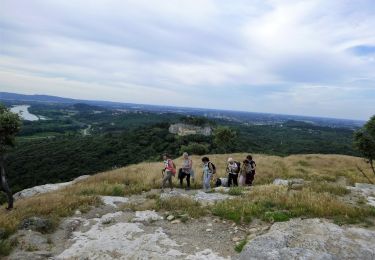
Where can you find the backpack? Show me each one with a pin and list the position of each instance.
(213, 167)
(238, 167)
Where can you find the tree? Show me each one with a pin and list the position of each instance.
(10, 124)
(224, 137)
(364, 142)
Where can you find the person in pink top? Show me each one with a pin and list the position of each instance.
(168, 172)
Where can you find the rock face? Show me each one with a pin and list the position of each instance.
(185, 129)
(124, 240)
(311, 239)
(46, 188)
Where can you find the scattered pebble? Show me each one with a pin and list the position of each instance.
(208, 230)
(176, 221)
(236, 239)
(170, 218)
(251, 237)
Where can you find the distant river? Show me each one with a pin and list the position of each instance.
(23, 111)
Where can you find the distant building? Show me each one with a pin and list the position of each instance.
(185, 129)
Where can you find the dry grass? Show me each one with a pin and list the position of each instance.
(145, 176)
(182, 205)
(276, 203)
(52, 206)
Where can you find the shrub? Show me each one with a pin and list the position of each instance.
(235, 191)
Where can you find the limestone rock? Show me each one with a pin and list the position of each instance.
(294, 184)
(281, 182)
(170, 218)
(366, 190)
(146, 216)
(46, 188)
(200, 196)
(311, 239)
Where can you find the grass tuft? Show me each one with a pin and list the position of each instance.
(235, 191)
(240, 246)
(331, 188)
(182, 205)
(6, 246)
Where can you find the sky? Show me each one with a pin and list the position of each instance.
(314, 57)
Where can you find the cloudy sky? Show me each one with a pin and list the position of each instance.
(313, 57)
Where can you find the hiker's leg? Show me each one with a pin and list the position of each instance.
(165, 179)
(170, 180)
(204, 181)
(235, 179)
(208, 183)
(241, 180)
(229, 180)
(188, 180)
(251, 179)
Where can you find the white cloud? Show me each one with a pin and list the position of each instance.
(282, 55)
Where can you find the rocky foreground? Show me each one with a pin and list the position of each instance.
(114, 231)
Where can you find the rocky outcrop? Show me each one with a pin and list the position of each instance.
(185, 129)
(46, 188)
(366, 190)
(293, 184)
(311, 239)
(113, 201)
(123, 240)
(200, 196)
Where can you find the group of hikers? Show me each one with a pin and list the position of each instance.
(237, 174)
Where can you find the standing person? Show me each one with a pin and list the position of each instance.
(168, 172)
(208, 170)
(250, 176)
(245, 173)
(245, 170)
(185, 171)
(232, 171)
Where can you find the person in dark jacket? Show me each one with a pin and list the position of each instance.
(251, 174)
